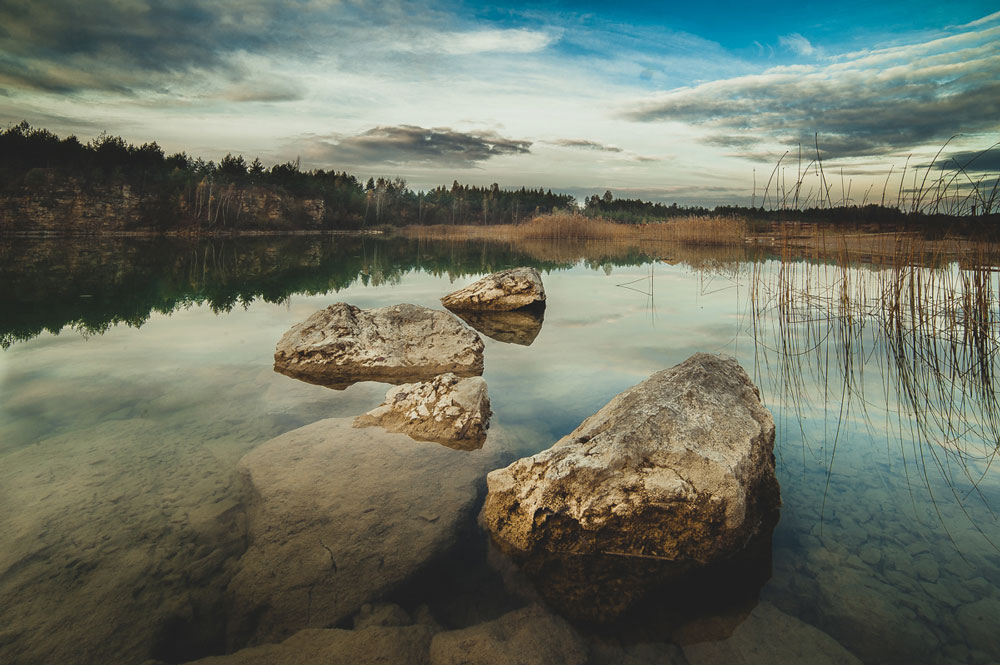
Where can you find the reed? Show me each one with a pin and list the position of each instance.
(939, 187)
(572, 227)
(909, 346)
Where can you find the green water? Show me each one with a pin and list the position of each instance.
(120, 435)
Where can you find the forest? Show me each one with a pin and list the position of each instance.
(179, 189)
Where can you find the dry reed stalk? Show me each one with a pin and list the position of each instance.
(929, 326)
(714, 231)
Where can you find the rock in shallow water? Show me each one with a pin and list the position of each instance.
(502, 291)
(523, 637)
(679, 467)
(405, 645)
(448, 410)
(343, 344)
(673, 474)
(337, 517)
(771, 637)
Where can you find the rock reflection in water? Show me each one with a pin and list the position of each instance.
(519, 326)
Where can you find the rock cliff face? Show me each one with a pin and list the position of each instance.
(502, 291)
(54, 205)
(343, 344)
(64, 207)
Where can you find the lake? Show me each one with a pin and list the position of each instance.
(137, 373)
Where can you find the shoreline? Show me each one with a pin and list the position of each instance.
(190, 234)
(786, 239)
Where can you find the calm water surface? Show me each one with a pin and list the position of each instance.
(120, 435)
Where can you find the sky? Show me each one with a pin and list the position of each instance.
(692, 102)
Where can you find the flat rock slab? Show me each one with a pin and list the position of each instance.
(770, 637)
(502, 291)
(679, 467)
(336, 517)
(527, 636)
(448, 410)
(519, 326)
(342, 344)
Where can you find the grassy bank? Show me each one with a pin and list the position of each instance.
(709, 231)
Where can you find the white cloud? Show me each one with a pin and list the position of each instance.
(797, 44)
(478, 41)
(978, 22)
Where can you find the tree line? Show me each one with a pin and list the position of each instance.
(182, 191)
(179, 186)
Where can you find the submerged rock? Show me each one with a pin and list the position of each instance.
(400, 645)
(118, 540)
(647, 597)
(644, 653)
(337, 516)
(979, 623)
(502, 291)
(519, 326)
(448, 410)
(673, 474)
(768, 636)
(862, 610)
(523, 637)
(343, 344)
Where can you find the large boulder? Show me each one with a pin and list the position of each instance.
(679, 467)
(343, 344)
(448, 410)
(502, 291)
(675, 473)
(337, 516)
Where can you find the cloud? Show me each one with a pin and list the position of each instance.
(407, 144)
(731, 141)
(873, 103)
(56, 122)
(995, 16)
(585, 144)
(468, 42)
(797, 44)
(981, 161)
(67, 46)
(267, 89)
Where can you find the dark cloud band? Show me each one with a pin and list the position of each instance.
(585, 144)
(410, 144)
